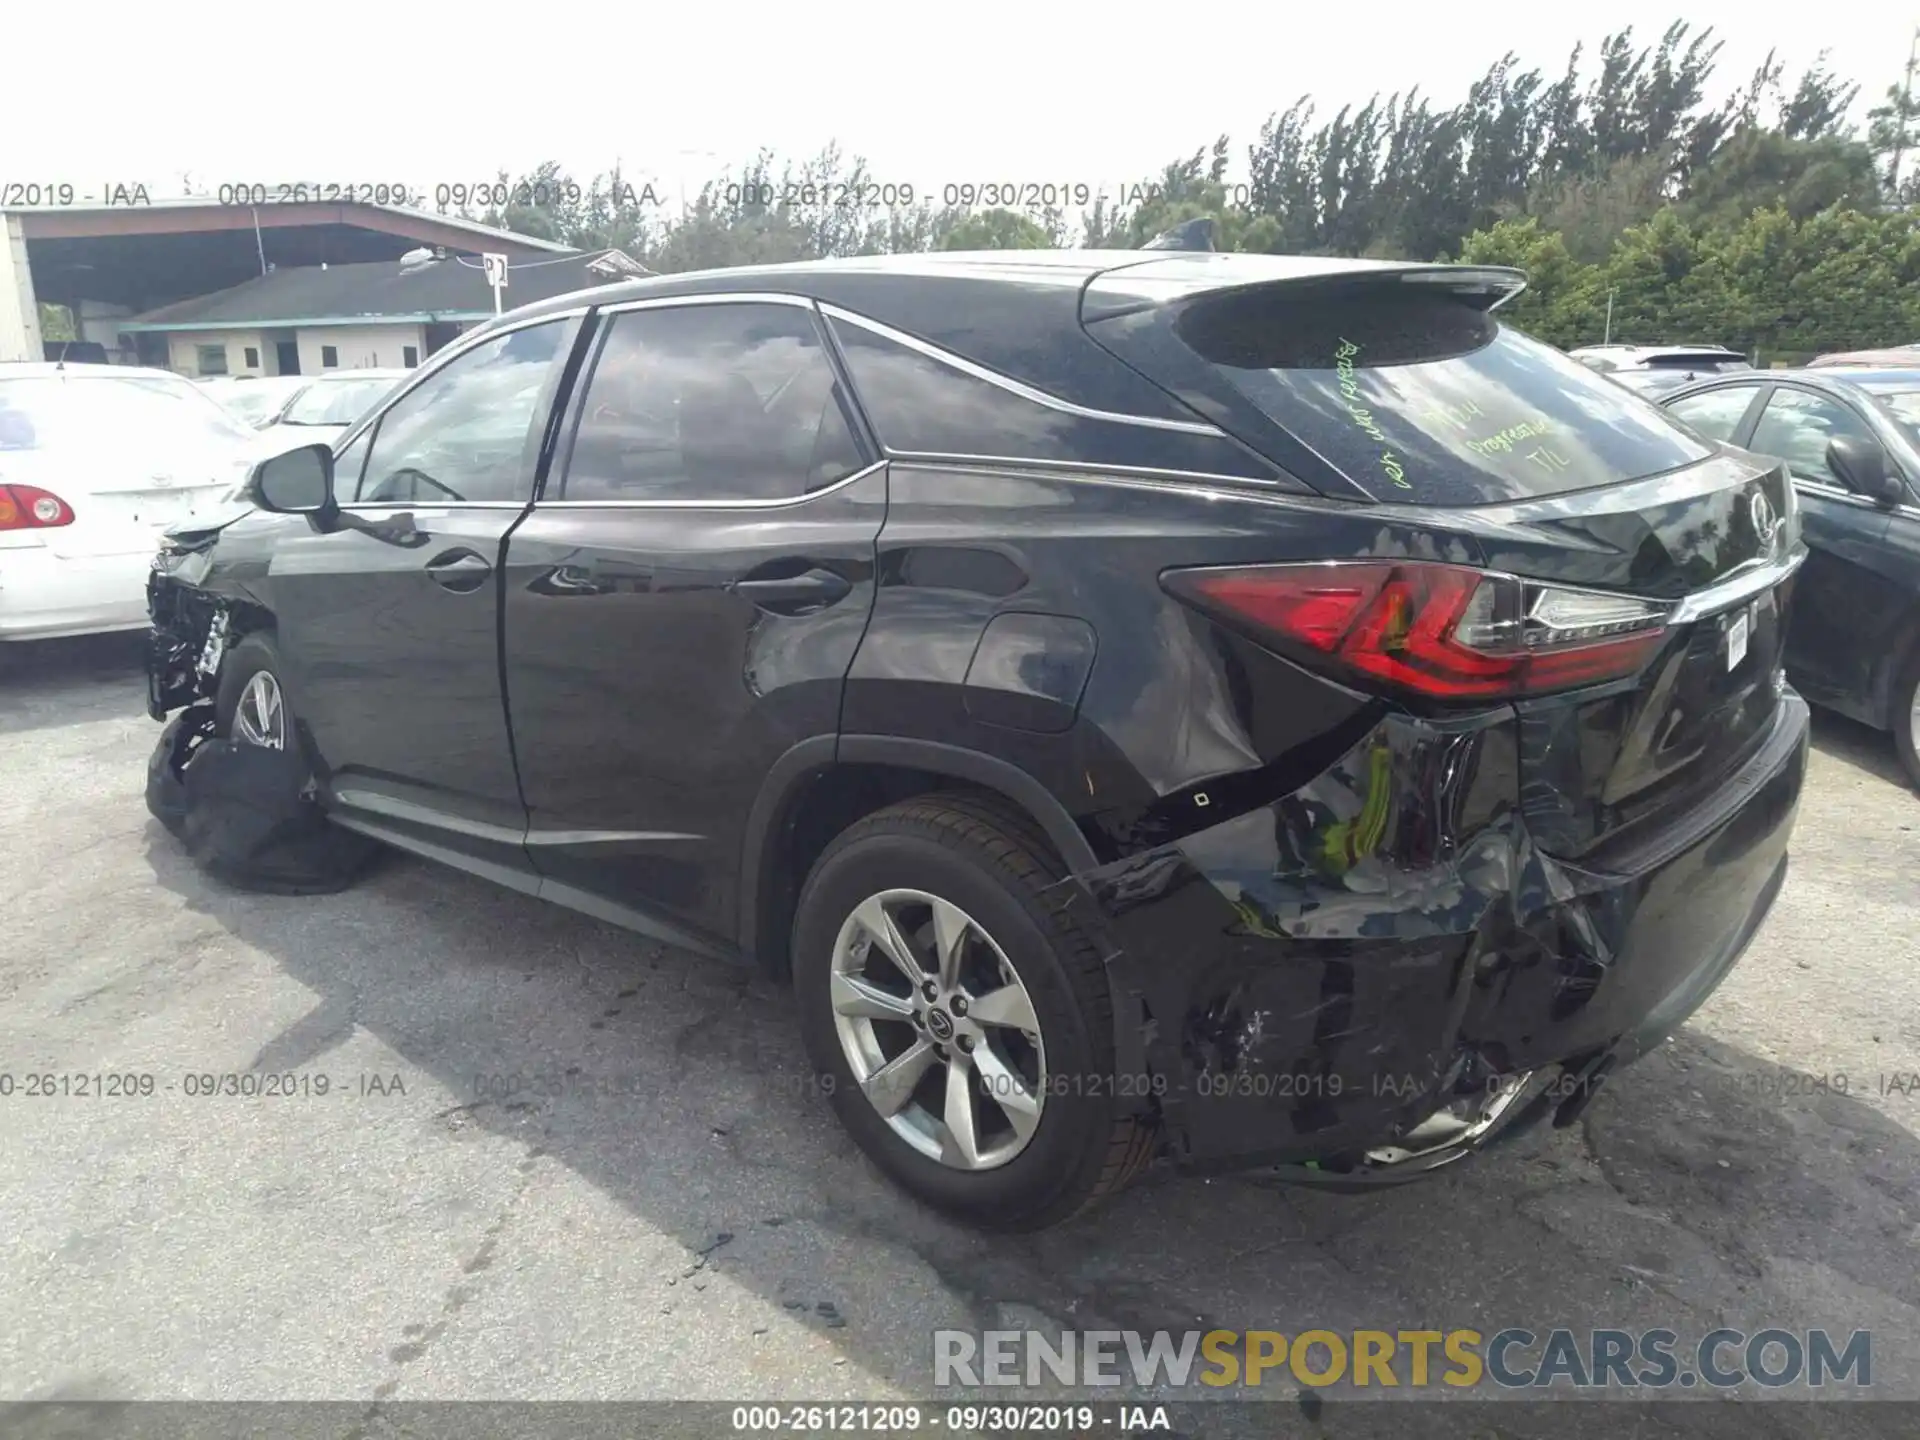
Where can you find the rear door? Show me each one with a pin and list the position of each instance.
(389, 622)
(684, 601)
(1847, 609)
(1403, 387)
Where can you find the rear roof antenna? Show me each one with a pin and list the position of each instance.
(1194, 235)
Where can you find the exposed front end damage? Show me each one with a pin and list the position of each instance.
(1373, 975)
(247, 815)
(189, 631)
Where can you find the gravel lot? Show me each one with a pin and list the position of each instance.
(713, 1235)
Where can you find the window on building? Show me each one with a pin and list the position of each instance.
(468, 432)
(710, 402)
(409, 355)
(253, 358)
(212, 359)
(329, 357)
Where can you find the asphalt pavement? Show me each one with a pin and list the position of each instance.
(684, 1218)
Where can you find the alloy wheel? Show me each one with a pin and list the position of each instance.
(938, 1029)
(261, 718)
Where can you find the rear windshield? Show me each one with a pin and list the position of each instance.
(1424, 398)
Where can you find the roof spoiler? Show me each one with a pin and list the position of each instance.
(1194, 235)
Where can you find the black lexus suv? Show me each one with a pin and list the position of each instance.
(1231, 708)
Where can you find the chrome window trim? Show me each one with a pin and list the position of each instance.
(444, 357)
(782, 504)
(1088, 468)
(1863, 502)
(1010, 385)
(709, 297)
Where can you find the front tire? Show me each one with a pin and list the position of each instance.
(962, 1027)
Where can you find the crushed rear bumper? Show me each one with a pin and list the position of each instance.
(1372, 1022)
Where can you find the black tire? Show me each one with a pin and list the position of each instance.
(1905, 717)
(995, 866)
(248, 813)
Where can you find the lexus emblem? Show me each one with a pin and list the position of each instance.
(163, 480)
(1766, 524)
(939, 1024)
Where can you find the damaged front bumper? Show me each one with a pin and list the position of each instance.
(187, 635)
(1363, 1011)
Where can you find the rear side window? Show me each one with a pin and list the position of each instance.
(1425, 398)
(1716, 414)
(710, 402)
(920, 405)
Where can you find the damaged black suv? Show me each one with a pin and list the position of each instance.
(1230, 708)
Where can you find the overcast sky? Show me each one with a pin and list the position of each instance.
(347, 91)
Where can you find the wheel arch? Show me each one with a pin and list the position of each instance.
(850, 777)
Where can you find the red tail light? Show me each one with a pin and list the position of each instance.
(27, 507)
(1444, 632)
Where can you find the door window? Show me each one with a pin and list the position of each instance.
(1796, 427)
(710, 402)
(1716, 414)
(464, 434)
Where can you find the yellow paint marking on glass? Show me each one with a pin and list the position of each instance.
(1363, 417)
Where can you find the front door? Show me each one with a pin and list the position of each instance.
(287, 355)
(684, 602)
(389, 618)
(1845, 607)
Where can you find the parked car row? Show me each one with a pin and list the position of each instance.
(96, 461)
(320, 407)
(1850, 438)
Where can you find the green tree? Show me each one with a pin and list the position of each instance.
(997, 229)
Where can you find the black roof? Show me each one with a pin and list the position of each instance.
(454, 288)
(1018, 312)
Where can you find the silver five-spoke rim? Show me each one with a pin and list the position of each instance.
(260, 718)
(938, 1029)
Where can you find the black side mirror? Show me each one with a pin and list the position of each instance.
(300, 482)
(1861, 465)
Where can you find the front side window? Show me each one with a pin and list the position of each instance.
(1796, 427)
(463, 434)
(1716, 414)
(710, 402)
(1428, 398)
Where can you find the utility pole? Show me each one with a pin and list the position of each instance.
(1906, 110)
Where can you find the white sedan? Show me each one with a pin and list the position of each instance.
(322, 409)
(96, 461)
